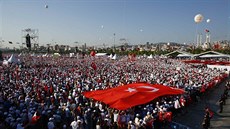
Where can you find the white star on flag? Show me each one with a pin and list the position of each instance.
(131, 90)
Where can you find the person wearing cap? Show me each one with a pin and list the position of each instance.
(107, 121)
(51, 123)
(148, 119)
(137, 120)
(79, 124)
(131, 125)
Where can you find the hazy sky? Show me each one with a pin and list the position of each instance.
(95, 21)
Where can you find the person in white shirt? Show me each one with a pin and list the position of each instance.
(74, 124)
(137, 120)
(115, 116)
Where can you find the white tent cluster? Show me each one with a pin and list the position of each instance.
(13, 59)
(113, 57)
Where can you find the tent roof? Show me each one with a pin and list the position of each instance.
(211, 54)
(101, 54)
(180, 52)
(184, 55)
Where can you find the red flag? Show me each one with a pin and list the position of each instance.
(217, 46)
(94, 66)
(130, 95)
(211, 113)
(35, 118)
(168, 116)
(132, 57)
(92, 53)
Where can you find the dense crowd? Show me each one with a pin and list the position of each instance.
(46, 92)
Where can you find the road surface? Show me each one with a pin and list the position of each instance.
(194, 117)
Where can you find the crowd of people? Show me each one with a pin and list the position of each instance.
(46, 92)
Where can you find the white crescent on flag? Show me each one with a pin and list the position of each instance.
(146, 89)
(151, 89)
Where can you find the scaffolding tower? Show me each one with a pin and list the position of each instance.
(34, 37)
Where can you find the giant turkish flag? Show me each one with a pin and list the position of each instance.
(130, 95)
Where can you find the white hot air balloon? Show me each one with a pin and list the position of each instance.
(208, 20)
(46, 6)
(198, 18)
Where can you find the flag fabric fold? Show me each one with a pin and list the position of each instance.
(127, 96)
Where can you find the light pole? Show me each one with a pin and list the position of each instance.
(114, 37)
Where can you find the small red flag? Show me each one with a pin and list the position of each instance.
(92, 53)
(94, 66)
(35, 119)
(168, 116)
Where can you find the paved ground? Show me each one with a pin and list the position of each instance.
(193, 118)
(222, 120)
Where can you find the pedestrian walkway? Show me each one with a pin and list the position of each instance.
(222, 120)
(195, 115)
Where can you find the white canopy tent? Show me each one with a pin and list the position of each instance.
(100, 54)
(150, 57)
(184, 55)
(13, 59)
(214, 56)
(114, 57)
